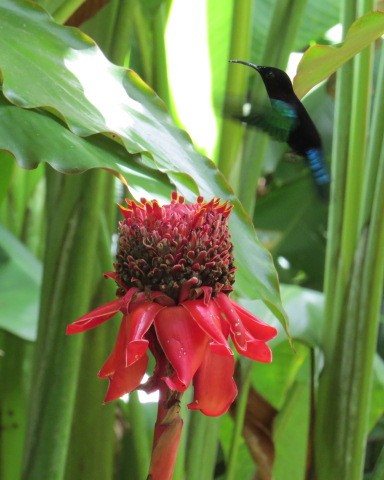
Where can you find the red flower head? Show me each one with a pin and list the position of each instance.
(175, 270)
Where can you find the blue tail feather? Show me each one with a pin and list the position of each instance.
(318, 167)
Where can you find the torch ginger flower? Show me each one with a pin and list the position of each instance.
(174, 272)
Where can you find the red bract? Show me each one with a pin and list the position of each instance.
(175, 270)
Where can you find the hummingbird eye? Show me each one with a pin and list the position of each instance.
(270, 75)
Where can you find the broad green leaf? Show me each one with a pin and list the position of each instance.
(292, 221)
(291, 434)
(273, 381)
(318, 17)
(320, 61)
(377, 404)
(42, 137)
(46, 65)
(20, 279)
(305, 311)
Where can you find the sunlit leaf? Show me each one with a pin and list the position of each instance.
(40, 137)
(320, 61)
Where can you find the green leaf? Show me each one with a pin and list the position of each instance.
(291, 434)
(46, 65)
(273, 381)
(377, 404)
(40, 137)
(318, 17)
(20, 280)
(292, 221)
(305, 310)
(320, 61)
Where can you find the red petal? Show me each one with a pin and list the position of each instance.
(214, 387)
(117, 355)
(102, 314)
(95, 317)
(138, 324)
(254, 325)
(227, 309)
(126, 379)
(207, 317)
(257, 350)
(183, 342)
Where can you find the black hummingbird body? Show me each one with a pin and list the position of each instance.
(289, 121)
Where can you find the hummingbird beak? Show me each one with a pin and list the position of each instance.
(248, 64)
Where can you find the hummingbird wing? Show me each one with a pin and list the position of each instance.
(276, 119)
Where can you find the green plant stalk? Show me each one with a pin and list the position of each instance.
(160, 80)
(66, 10)
(291, 19)
(73, 205)
(232, 132)
(92, 433)
(284, 25)
(202, 446)
(120, 43)
(252, 161)
(182, 453)
(357, 160)
(373, 155)
(345, 209)
(13, 405)
(142, 36)
(369, 312)
(271, 49)
(350, 330)
(332, 285)
(363, 314)
(241, 406)
(142, 447)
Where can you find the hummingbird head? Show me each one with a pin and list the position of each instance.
(276, 81)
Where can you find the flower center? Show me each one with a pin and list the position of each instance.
(161, 248)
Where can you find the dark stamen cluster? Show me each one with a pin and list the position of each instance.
(161, 248)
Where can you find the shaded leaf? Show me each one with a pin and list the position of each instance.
(318, 17)
(20, 279)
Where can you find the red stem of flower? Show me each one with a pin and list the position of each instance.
(167, 435)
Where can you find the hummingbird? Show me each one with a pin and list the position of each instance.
(288, 121)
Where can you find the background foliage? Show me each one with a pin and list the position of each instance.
(69, 106)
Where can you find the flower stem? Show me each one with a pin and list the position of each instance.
(167, 435)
